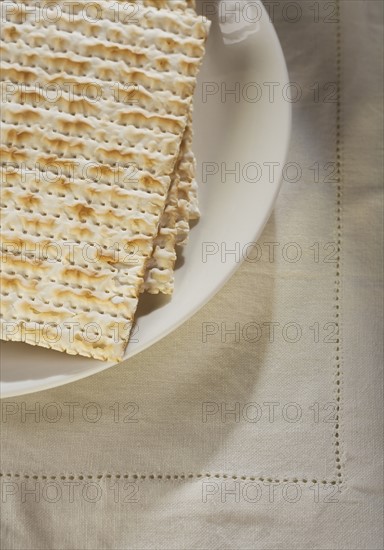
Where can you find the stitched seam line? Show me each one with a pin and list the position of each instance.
(167, 477)
(339, 167)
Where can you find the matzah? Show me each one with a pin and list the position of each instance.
(169, 4)
(85, 180)
(187, 195)
(160, 267)
(175, 223)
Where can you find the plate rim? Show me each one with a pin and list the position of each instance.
(191, 312)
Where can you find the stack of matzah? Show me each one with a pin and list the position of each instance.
(97, 176)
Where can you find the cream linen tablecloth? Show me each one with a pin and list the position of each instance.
(268, 437)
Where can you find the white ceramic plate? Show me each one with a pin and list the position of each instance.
(231, 132)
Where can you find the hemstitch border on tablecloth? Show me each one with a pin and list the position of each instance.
(338, 376)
